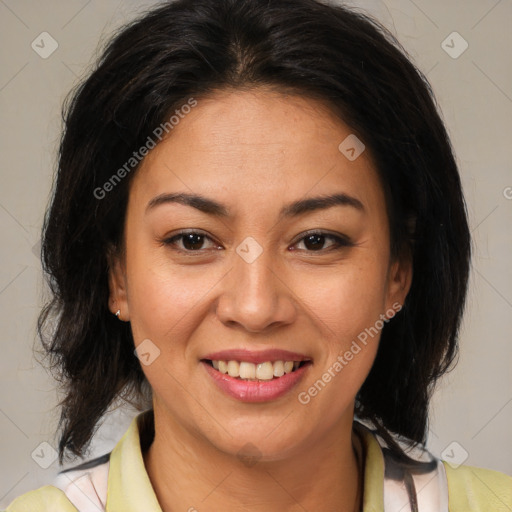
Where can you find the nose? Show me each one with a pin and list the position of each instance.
(255, 295)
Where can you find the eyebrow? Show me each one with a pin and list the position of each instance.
(295, 209)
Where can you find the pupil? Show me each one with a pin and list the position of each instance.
(192, 241)
(317, 241)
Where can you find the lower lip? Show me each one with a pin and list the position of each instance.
(256, 391)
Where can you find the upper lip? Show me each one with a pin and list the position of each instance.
(256, 357)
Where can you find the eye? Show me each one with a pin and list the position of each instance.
(191, 241)
(314, 241)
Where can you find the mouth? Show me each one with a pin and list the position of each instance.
(255, 372)
(250, 376)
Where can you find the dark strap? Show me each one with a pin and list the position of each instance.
(420, 487)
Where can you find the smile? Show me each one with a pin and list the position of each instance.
(249, 376)
(244, 370)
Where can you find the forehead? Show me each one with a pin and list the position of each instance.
(257, 146)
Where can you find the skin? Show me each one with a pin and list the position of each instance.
(255, 151)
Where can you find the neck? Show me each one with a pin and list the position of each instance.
(189, 473)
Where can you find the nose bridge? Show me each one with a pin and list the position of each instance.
(255, 296)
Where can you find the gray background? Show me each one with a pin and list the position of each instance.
(472, 408)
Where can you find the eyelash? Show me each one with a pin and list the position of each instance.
(340, 241)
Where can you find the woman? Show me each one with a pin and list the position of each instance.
(258, 230)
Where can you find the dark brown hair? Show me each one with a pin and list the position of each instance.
(190, 48)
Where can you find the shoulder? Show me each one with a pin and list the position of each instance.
(444, 487)
(81, 488)
(478, 489)
(44, 499)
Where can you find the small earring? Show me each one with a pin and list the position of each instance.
(118, 312)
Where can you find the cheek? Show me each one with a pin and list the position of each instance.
(162, 297)
(347, 299)
(347, 304)
(168, 305)
(347, 307)
(164, 302)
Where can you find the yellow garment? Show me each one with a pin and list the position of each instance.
(471, 489)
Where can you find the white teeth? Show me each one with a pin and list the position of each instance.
(247, 370)
(288, 366)
(265, 371)
(251, 371)
(234, 369)
(278, 369)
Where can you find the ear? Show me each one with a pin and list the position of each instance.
(399, 280)
(118, 300)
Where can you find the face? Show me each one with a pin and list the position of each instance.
(262, 275)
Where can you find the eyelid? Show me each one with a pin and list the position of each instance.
(168, 240)
(328, 234)
(340, 240)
